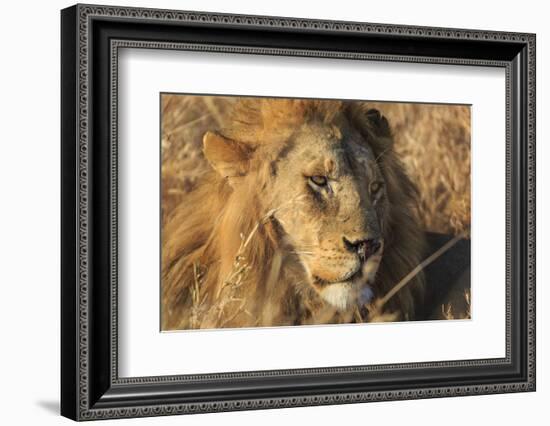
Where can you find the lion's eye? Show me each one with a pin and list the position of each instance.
(375, 187)
(319, 180)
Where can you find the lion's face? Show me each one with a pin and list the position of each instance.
(329, 197)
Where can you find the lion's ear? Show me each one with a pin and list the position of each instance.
(228, 157)
(378, 123)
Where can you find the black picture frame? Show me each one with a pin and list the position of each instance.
(90, 386)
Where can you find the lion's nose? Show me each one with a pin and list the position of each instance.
(363, 248)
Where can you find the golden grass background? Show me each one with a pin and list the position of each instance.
(432, 140)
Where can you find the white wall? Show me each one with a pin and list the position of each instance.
(29, 212)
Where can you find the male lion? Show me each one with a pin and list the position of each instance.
(305, 217)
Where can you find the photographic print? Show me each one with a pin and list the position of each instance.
(287, 212)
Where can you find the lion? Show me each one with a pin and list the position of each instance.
(305, 216)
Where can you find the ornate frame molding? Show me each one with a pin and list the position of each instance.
(82, 16)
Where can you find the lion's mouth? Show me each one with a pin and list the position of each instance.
(349, 277)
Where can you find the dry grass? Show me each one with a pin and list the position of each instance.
(433, 141)
(185, 119)
(449, 312)
(212, 315)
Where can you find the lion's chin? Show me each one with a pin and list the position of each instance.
(341, 296)
(355, 291)
(345, 295)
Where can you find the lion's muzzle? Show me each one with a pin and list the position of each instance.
(348, 290)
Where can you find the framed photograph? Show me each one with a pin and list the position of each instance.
(263, 212)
